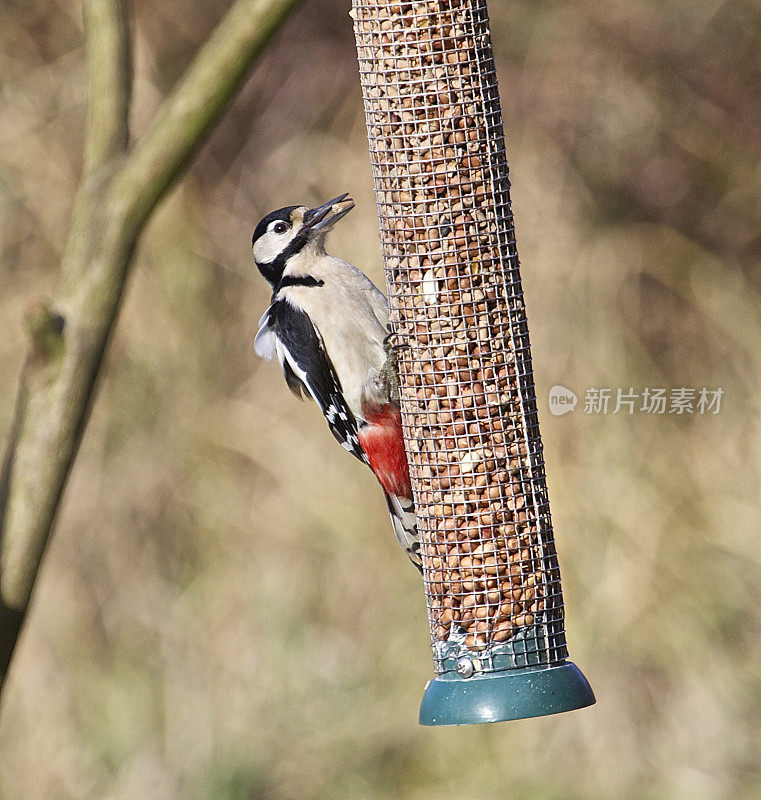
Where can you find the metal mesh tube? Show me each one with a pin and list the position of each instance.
(468, 400)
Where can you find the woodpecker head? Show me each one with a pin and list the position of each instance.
(285, 232)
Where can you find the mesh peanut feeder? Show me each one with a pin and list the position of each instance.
(468, 400)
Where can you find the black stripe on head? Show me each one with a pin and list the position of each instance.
(273, 270)
(283, 214)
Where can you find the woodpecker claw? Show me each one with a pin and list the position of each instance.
(389, 343)
(389, 374)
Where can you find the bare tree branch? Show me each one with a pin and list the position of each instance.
(188, 113)
(119, 189)
(36, 452)
(109, 81)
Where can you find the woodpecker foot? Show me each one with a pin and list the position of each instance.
(389, 345)
(389, 374)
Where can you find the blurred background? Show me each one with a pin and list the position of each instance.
(223, 611)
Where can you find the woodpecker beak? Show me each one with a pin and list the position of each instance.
(325, 216)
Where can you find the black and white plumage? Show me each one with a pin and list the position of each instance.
(307, 367)
(327, 326)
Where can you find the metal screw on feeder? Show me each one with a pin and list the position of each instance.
(468, 400)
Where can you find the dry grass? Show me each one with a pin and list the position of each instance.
(223, 612)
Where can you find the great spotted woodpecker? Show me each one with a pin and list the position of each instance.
(328, 326)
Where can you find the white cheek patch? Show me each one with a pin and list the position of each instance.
(269, 246)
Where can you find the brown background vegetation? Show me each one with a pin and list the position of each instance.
(222, 611)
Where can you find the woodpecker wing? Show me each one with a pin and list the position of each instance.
(287, 332)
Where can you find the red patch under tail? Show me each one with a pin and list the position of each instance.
(382, 441)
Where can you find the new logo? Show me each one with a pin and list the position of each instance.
(562, 400)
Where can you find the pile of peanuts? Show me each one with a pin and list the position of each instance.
(469, 406)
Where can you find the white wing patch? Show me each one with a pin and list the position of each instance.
(284, 357)
(287, 333)
(265, 343)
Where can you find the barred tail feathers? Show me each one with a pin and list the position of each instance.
(404, 521)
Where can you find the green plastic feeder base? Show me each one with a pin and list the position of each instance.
(508, 694)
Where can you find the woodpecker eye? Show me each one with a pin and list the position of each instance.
(280, 227)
